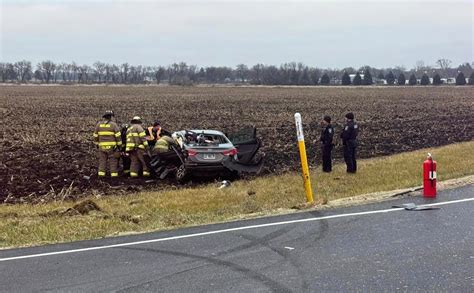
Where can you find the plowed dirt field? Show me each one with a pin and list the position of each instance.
(46, 136)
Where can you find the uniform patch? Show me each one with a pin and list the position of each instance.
(346, 128)
(329, 130)
(355, 126)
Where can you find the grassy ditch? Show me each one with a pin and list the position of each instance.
(26, 224)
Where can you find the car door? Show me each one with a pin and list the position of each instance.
(247, 144)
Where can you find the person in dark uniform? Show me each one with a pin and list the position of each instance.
(125, 158)
(153, 134)
(349, 142)
(326, 143)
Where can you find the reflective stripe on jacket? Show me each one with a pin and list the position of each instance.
(135, 138)
(163, 144)
(107, 135)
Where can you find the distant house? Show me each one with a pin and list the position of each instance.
(450, 80)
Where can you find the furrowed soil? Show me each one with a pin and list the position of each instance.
(48, 154)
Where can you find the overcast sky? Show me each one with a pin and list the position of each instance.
(317, 33)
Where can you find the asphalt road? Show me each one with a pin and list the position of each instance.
(364, 248)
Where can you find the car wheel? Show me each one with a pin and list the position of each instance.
(181, 174)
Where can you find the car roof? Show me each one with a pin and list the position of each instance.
(207, 131)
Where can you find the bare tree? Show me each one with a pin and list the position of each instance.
(99, 70)
(58, 71)
(75, 69)
(159, 73)
(419, 65)
(6, 71)
(443, 63)
(3, 71)
(257, 73)
(115, 73)
(23, 69)
(242, 72)
(314, 74)
(124, 70)
(38, 74)
(84, 73)
(107, 72)
(47, 68)
(65, 71)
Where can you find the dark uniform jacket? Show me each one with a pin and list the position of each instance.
(349, 134)
(326, 136)
(107, 135)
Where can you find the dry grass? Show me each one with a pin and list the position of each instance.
(23, 225)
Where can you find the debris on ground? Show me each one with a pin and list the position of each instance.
(407, 191)
(225, 184)
(413, 207)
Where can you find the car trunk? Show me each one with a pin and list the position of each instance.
(207, 154)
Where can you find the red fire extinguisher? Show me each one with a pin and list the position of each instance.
(429, 177)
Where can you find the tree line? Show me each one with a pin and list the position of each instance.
(291, 73)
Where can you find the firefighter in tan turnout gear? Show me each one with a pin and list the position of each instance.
(136, 146)
(107, 138)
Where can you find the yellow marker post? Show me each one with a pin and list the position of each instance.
(304, 160)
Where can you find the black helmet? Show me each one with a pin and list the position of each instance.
(327, 118)
(108, 113)
(350, 116)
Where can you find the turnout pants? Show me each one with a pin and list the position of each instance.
(350, 157)
(327, 158)
(126, 165)
(108, 156)
(137, 158)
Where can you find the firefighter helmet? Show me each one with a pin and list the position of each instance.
(108, 113)
(136, 119)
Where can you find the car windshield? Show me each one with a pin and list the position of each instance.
(204, 139)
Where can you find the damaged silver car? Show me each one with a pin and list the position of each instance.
(210, 153)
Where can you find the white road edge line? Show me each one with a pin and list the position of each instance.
(223, 231)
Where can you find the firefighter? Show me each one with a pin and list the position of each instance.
(165, 153)
(326, 143)
(153, 133)
(124, 155)
(107, 138)
(349, 142)
(163, 144)
(136, 146)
